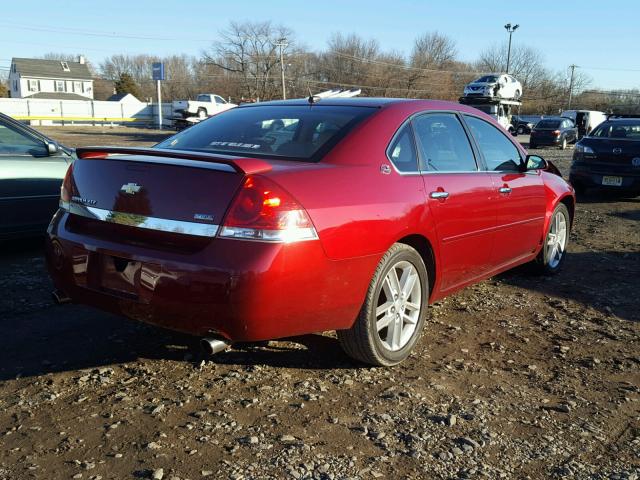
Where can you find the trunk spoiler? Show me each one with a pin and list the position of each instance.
(188, 157)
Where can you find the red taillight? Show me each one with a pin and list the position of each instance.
(262, 210)
(66, 189)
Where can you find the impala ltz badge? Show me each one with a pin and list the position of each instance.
(130, 188)
(203, 216)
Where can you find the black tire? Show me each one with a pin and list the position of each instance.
(542, 264)
(517, 95)
(362, 341)
(532, 145)
(520, 130)
(202, 113)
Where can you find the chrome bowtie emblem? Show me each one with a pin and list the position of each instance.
(617, 151)
(130, 188)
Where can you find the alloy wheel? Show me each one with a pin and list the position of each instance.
(556, 239)
(398, 306)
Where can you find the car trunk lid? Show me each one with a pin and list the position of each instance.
(179, 192)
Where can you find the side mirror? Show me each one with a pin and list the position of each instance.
(534, 162)
(52, 148)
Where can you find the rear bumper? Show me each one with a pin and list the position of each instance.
(545, 141)
(242, 290)
(587, 177)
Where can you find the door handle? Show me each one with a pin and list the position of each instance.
(505, 190)
(439, 195)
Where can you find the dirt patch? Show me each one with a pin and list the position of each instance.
(517, 377)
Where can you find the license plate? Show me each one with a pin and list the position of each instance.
(612, 181)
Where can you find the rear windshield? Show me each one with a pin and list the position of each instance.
(629, 130)
(548, 124)
(487, 79)
(296, 132)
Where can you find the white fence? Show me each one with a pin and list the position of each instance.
(72, 112)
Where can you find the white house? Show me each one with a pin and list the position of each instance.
(54, 79)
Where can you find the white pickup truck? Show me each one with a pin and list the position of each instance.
(205, 105)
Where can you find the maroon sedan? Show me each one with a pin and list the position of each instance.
(286, 218)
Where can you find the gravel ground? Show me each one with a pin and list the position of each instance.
(517, 377)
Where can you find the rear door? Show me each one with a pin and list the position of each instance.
(30, 181)
(459, 196)
(519, 196)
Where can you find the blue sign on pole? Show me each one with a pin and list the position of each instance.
(158, 70)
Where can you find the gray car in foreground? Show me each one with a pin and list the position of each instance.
(32, 167)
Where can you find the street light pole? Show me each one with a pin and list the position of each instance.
(282, 43)
(573, 71)
(510, 29)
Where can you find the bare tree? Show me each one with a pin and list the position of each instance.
(249, 53)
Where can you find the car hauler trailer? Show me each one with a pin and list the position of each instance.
(500, 109)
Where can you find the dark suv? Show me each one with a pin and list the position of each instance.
(609, 158)
(553, 131)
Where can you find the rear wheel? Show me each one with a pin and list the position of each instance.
(563, 143)
(391, 319)
(520, 130)
(551, 256)
(202, 113)
(517, 95)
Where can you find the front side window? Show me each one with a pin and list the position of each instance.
(295, 132)
(443, 144)
(402, 151)
(499, 153)
(15, 142)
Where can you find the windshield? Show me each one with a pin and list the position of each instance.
(548, 124)
(297, 132)
(487, 79)
(630, 130)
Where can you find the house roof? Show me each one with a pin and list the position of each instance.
(34, 67)
(117, 97)
(58, 96)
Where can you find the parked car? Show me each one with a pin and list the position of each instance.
(585, 120)
(32, 167)
(205, 105)
(609, 158)
(495, 86)
(353, 218)
(553, 131)
(523, 124)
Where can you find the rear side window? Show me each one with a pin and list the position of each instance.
(498, 151)
(443, 144)
(402, 151)
(296, 132)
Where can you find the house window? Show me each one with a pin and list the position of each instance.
(77, 87)
(34, 85)
(60, 86)
(65, 66)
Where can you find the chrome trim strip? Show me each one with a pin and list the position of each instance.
(142, 221)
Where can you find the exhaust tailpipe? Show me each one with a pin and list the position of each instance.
(59, 297)
(211, 346)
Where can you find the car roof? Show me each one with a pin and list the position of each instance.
(373, 102)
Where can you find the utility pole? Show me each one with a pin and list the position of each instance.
(282, 44)
(573, 70)
(510, 29)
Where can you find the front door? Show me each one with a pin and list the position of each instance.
(30, 181)
(520, 198)
(459, 196)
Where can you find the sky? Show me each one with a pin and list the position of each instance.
(600, 38)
